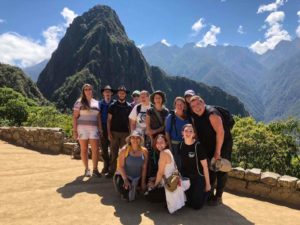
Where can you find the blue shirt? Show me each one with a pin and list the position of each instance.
(170, 129)
(103, 105)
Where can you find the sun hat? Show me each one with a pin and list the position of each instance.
(108, 87)
(135, 133)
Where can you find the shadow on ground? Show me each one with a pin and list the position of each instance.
(132, 213)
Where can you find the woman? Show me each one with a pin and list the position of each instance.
(194, 166)
(174, 123)
(166, 166)
(131, 166)
(155, 124)
(87, 127)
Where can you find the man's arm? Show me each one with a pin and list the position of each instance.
(217, 125)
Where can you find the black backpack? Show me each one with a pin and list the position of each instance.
(227, 117)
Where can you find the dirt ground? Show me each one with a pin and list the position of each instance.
(45, 189)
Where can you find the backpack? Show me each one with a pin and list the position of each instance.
(227, 117)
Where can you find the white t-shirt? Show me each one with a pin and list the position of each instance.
(140, 117)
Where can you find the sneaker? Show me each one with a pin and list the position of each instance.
(96, 173)
(104, 171)
(87, 173)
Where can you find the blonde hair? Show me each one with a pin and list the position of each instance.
(195, 98)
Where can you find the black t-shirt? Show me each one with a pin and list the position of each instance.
(188, 159)
(154, 121)
(206, 133)
(120, 112)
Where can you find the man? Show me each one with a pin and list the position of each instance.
(216, 139)
(135, 98)
(107, 93)
(137, 116)
(117, 127)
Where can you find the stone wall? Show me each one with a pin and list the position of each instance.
(43, 139)
(266, 185)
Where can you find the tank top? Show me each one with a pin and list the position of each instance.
(133, 165)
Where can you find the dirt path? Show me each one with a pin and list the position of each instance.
(48, 189)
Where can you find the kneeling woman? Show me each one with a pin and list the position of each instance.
(131, 166)
(166, 167)
(194, 166)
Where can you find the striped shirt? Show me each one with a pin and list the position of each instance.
(87, 117)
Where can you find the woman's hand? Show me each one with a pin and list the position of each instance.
(127, 184)
(75, 134)
(207, 187)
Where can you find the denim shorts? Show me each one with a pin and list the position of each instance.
(87, 133)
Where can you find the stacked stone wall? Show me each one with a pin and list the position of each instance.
(266, 185)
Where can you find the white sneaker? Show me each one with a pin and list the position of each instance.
(87, 173)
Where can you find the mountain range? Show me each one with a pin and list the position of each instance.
(255, 79)
(96, 49)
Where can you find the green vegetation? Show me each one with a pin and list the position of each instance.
(271, 147)
(14, 77)
(17, 110)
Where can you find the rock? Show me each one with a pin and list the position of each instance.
(236, 185)
(237, 172)
(269, 178)
(298, 185)
(258, 188)
(253, 174)
(287, 182)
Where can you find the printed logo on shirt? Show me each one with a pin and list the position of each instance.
(191, 154)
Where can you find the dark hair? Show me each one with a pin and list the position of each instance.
(188, 125)
(83, 99)
(160, 136)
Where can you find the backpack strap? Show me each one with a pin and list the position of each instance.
(138, 109)
(197, 163)
(173, 122)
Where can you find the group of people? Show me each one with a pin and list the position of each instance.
(143, 143)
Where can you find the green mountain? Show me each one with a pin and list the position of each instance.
(233, 69)
(281, 90)
(96, 49)
(14, 77)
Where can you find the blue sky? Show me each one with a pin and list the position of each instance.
(30, 30)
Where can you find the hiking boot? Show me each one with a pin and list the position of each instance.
(215, 201)
(96, 173)
(104, 171)
(87, 173)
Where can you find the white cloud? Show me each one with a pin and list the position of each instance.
(223, 0)
(140, 46)
(2, 20)
(271, 7)
(226, 44)
(68, 15)
(298, 28)
(19, 50)
(274, 34)
(275, 17)
(210, 37)
(240, 29)
(197, 26)
(164, 42)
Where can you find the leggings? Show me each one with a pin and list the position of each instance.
(196, 196)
